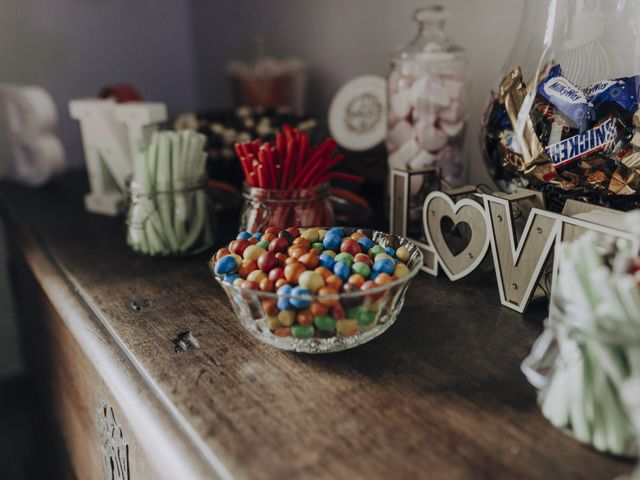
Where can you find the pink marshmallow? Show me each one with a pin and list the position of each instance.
(430, 137)
(400, 105)
(452, 114)
(400, 134)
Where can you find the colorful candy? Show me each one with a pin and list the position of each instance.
(307, 269)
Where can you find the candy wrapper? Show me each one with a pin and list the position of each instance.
(566, 140)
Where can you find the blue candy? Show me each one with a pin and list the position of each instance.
(243, 236)
(390, 251)
(226, 264)
(303, 299)
(327, 261)
(283, 297)
(343, 270)
(257, 235)
(366, 243)
(384, 265)
(337, 231)
(230, 278)
(332, 241)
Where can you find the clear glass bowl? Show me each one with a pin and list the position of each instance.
(369, 313)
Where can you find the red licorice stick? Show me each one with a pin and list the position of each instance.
(261, 179)
(341, 176)
(313, 180)
(318, 158)
(320, 167)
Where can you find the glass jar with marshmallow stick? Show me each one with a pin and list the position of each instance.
(590, 349)
(168, 213)
(427, 100)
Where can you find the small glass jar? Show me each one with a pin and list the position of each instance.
(579, 371)
(285, 208)
(171, 221)
(427, 95)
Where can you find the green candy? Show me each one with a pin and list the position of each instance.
(345, 257)
(325, 323)
(364, 317)
(263, 244)
(303, 331)
(375, 250)
(318, 245)
(361, 268)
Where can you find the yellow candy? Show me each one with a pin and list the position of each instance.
(273, 323)
(347, 327)
(381, 256)
(321, 233)
(310, 280)
(400, 270)
(311, 234)
(238, 281)
(256, 276)
(402, 254)
(287, 317)
(330, 252)
(252, 252)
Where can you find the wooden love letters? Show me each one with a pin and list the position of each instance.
(461, 226)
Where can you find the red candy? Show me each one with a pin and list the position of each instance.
(364, 258)
(276, 274)
(267, 262)
(349, 245)
(238, 246)
(293, 231)
(278, 245)
(272, 230)
(250, 285)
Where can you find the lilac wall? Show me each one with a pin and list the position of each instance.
(344, 38)
(74, 47)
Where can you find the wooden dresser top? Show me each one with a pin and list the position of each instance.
(440, 395)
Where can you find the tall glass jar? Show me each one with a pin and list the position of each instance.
(579, 368)
(285, 208)
(560, 117)
(427, 95)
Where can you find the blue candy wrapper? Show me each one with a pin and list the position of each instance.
(570, 100)
(623, 92)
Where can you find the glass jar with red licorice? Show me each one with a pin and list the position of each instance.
(285, 208)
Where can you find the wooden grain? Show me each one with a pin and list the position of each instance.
(440, 395)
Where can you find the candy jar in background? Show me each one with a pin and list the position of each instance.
(562, 116)
(427, 100)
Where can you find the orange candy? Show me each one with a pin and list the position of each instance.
(309, 260)
(293, 271)
(318, 310)
(357, 235)
(382, 279)
(282, 258)
(283, 332)
(268, 236)
(246, 268)
(296, 252)
(304, 317)
(324, 272)
(356, 280)
(334, 281)
(223, 252)
(302, 243)
(315, 251)
(328, 302)
(290, 260)
(266, 285)
(270, 307)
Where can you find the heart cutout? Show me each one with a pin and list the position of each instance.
(456, 235)
(459, 248)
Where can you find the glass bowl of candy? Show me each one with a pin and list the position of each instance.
(316, 290)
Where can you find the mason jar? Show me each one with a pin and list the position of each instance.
(579, 368)
(170, 221)
(285, 208)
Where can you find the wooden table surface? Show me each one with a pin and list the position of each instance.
(439, 395)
